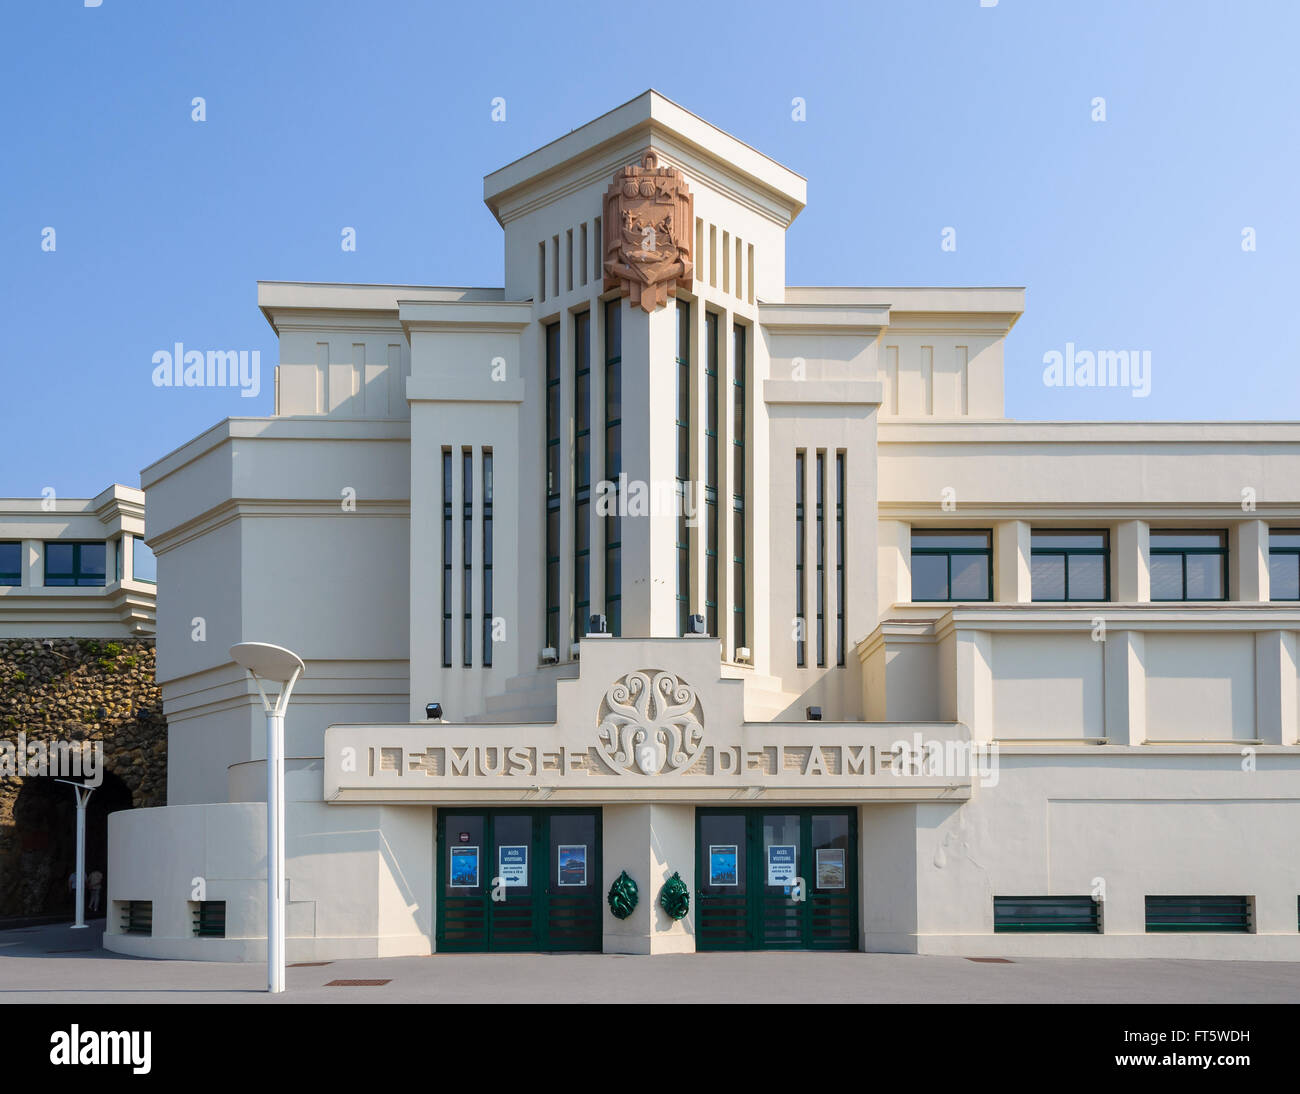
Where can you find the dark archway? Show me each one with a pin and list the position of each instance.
(45, 820)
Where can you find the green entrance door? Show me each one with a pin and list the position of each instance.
(518, 879)
(776, 879)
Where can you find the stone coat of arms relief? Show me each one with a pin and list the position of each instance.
(648, 226)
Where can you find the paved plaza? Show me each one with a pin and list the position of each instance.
(51, 964)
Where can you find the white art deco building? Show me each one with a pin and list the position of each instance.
(1083, 634)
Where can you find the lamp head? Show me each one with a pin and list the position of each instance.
(274, 663)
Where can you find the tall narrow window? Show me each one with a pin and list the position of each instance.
(581, 472)
(821, 557)
(614, 462)
(553, 486)
(446, 558)
(1283, 564)
(839, 558)
(799, 648)
(683, 463)
(738, 488)
(467, 547)
(711, 473)
(11, 563)
(487, 558)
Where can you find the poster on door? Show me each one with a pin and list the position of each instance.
(722, 864)
(512, 865)
(464, 867)
(572, 864)
(830, 868)
(780, 864)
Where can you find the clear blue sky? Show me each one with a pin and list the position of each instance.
(920, 116)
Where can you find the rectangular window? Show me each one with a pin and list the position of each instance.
(210, 918)
(1056, 914)
(1283, 564)
(487, 558)
(821, 557)
(144, 566)
(74, 563)
(839, 558)
(683, 463)
(137, 916)
(738, 487)
(446, 558)
(1070, 565)
(613, 462)
(1189, 565)
(581, 473)
(1169, 914)
(467, 556)
(711, 473)
(800, 652)
(552, 484)
(11, 563)
(952, 566)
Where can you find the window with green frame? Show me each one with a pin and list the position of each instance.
(144, 566)
(581, 473)
(1169, 914)
(1070, 565)
(487, 557)
(614, 463)
(467, 554)
(74, 563)
(711, 473)
(552, 484)
(1189, 565)
(952, 566)
(1046, 914)
(1284, 564)
(738, 635)
(446, 558)
(800, 649)
(11, 563)
(683, 464)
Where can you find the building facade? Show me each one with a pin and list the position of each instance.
(76, 567)
(78, 696)
(651, 604)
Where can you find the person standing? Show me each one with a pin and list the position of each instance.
(96, 881)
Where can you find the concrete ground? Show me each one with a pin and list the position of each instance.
(56, 964)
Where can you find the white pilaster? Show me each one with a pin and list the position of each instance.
(1011, 575)
(1132, 562)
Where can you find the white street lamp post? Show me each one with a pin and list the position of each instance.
(283, 667)
(83, 793)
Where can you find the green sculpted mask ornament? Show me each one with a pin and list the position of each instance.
(674, 897)
(623, 896)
